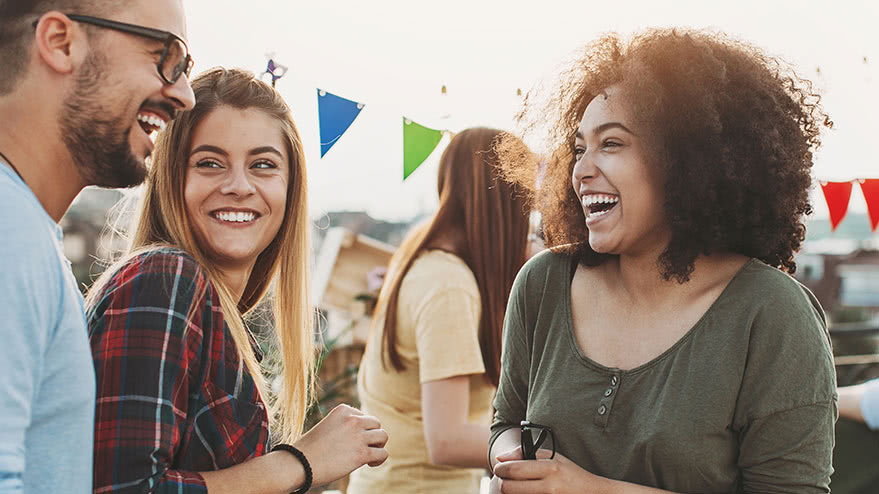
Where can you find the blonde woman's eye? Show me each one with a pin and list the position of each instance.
(579, 151)
(264, 165)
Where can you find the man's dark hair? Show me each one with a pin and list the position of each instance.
(16, 30)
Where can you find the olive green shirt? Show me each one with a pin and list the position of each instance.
(744, 402)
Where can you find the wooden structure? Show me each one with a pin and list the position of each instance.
(340, 287)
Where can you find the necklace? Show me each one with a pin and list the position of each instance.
(8, 162)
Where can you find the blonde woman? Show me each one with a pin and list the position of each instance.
(182, 402)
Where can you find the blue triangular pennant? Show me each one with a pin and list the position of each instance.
(335, 114)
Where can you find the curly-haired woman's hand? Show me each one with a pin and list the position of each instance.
(559, 475)
(512, 475)
(342, 442)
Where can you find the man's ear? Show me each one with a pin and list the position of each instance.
(59, 42)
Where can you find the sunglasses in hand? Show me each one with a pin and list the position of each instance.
(535, 437)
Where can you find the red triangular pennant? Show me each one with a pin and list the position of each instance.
(870, 188)
(837, 195)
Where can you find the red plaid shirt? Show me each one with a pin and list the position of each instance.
(173, 396)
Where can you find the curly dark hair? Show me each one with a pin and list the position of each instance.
(734, 129)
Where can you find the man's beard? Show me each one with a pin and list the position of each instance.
(96, 139)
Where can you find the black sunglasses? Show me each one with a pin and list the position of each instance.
(530, 443)
(175, 60)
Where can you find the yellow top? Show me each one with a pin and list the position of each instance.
(438, 314)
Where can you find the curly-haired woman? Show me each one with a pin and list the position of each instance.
(661, 338)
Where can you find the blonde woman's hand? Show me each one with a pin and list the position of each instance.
(342, 442)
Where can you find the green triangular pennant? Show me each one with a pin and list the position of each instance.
(418, 142)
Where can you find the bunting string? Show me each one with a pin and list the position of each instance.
(838, 195)
(336, 115)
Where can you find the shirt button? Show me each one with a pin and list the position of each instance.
(614, 380)
(602, 410)
(608, 391)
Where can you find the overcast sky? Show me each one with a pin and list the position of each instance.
(394, 56)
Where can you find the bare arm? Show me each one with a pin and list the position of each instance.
(278, 472)
(451, 440)
(508, 441)
(343, 441)
(850, 402)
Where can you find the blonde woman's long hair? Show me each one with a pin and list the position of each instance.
(163, 221)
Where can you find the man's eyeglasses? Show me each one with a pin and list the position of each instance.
(535, 437)
(174, 61)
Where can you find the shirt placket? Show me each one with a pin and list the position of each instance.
(605, 404)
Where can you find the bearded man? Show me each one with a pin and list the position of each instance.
(84, 84)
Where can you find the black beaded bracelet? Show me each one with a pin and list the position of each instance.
(301, 457)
